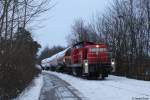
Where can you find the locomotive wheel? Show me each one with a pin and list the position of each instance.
(94, 76)
(101, 77)
(91, 76)
(68, 70)
(74, 72)
(77, 71)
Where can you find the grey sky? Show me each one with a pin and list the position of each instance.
(58, 21)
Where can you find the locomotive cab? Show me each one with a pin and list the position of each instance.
(98, 61)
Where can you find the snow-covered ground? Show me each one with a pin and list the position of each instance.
(113, 88)
(33, 91)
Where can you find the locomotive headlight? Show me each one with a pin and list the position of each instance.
(86, 63)
(112, 63)
(86, 68)
(97, 46)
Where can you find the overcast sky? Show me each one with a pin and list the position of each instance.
(57, 23)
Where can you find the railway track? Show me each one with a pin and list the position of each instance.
(56, 89)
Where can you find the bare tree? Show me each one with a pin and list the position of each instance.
(125, 28)
(82, 32)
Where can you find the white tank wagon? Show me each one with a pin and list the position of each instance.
(54, 61)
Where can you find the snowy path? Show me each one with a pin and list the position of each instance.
(56, 89)
(113, 88)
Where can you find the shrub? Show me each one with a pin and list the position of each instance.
(17, 64)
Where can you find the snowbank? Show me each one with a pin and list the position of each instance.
(33, 91)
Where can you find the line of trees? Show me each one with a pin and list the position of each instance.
(125, 28)
(17, 47)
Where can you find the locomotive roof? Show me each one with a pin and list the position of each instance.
(83, 42)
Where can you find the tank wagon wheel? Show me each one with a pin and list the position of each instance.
(102, 77)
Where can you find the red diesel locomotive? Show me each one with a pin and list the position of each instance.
(87, 59)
